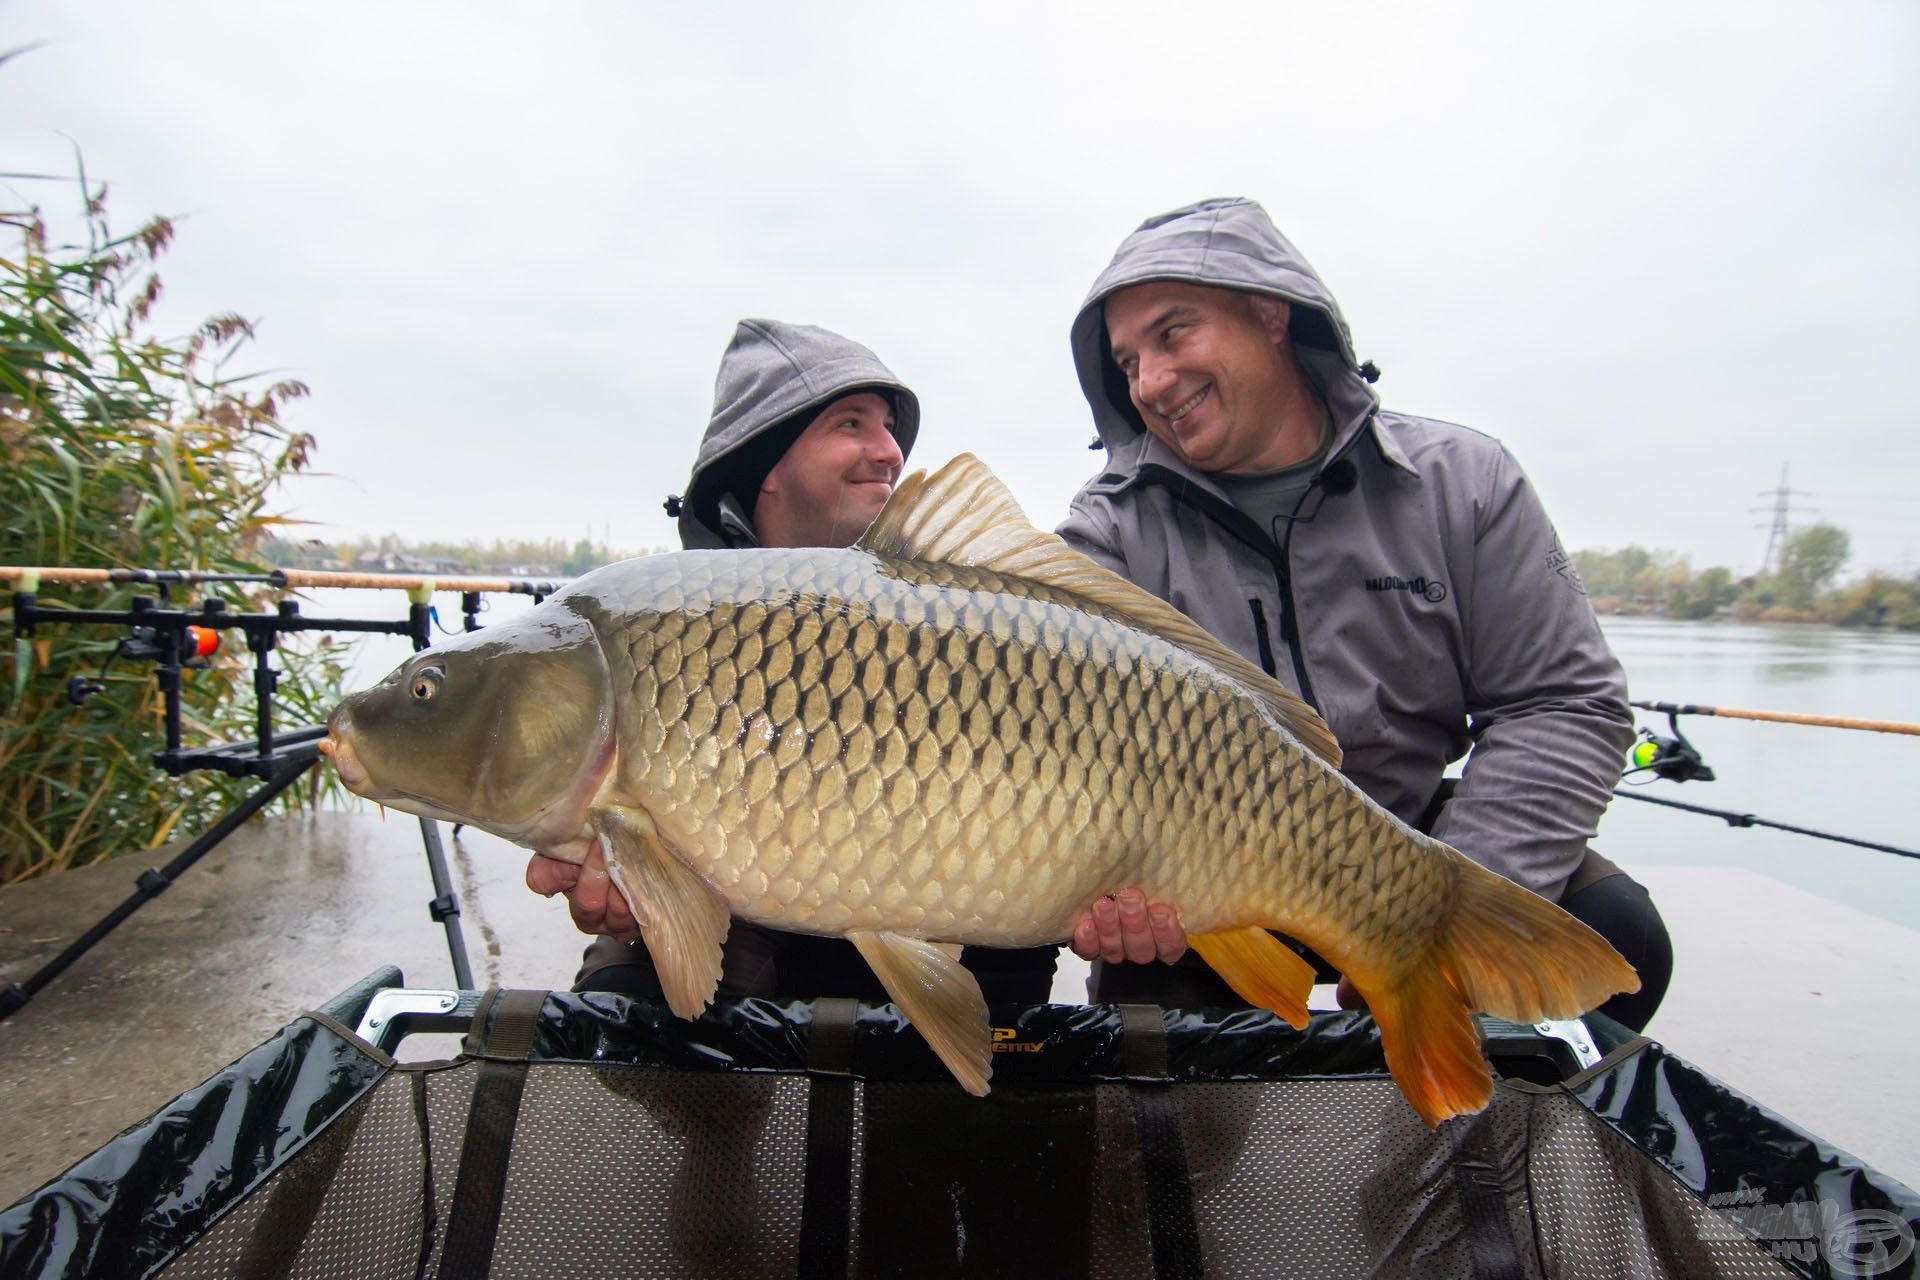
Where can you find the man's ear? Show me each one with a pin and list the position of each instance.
(1274, 315)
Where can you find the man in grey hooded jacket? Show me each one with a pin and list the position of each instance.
(1397, 572)
(809, 432)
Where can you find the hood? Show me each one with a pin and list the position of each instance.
(772, 374)
(1230, 244)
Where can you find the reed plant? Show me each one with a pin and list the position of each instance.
(122, 447)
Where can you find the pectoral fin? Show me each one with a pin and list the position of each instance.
(1260, 967)
(682, 918)
(939, 997)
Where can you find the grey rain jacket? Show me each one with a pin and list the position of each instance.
(1420, 600)
(773, 372)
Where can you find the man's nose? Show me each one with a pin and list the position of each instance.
(882, 447)
(1152, 378)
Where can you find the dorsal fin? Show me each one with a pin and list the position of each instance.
(962, 514)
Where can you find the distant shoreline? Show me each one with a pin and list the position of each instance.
(1741, 613)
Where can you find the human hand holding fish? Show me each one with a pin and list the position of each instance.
(1124, 927)
(593, 901)
(958, 731)
(1118, 928)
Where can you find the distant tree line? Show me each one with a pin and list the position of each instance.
(1803, 587)
(539, 557)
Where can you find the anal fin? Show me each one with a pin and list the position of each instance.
(1261, 968)
(939, 997)
(683, 919)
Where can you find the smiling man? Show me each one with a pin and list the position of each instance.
(1397, 572)
(808, 435)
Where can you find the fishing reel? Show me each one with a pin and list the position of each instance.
(1674, 758)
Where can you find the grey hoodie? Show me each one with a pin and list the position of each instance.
(1420, 599)
(773, 378)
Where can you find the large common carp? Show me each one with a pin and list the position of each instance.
(958, 731)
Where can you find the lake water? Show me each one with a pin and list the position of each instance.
(1853, 783)
(1864, 785)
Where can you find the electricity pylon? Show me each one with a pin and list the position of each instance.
(1782, 511)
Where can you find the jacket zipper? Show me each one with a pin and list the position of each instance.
(1260, 635)
(1236, 522)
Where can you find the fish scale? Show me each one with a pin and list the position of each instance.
(771, 751)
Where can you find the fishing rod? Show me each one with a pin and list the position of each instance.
(1781, 717)
(1734, 819)
(177, 640)
(30, 576)
(1677, 760)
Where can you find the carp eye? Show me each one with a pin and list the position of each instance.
(426, 683)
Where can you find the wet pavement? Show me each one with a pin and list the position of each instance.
(285, 914)
(1805, 1004)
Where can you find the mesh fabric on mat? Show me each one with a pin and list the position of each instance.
(630, 1171)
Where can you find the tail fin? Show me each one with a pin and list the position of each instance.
(1517, 956)
(1500, 950)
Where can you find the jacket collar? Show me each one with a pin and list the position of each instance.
(1354, 407)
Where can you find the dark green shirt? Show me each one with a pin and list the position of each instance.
(1269, 498)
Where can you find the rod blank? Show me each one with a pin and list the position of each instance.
(1782, 717)
(285, 578)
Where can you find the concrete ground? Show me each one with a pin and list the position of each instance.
(1806, 1005)
(286, 913)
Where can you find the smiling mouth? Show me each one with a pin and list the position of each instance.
(1181, 411)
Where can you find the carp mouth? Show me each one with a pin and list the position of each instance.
(353, 774)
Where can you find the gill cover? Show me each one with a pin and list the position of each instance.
(496, 727)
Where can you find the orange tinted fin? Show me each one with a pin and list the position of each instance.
(1431, 1043)
(1500, 949)
(1515, 955)
(1261, 968)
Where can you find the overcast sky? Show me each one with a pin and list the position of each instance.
(1661, 250)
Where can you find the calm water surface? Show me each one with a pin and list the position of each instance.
(1865, 785)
